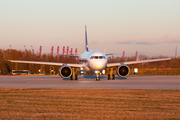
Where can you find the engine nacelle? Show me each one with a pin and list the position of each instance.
(123, 71)
(65, 71)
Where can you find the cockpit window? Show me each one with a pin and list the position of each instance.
(97, 57)
(92, 57)
(101, 57)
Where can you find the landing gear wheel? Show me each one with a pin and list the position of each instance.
(97, 78)
(108, 77)
(113, 77)
(71, 78)
(76, 78)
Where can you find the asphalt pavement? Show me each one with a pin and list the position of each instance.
(131, 82)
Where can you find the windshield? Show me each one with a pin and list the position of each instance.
(97, 57)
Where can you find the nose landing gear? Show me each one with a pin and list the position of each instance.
(97, 75)
(97, 78)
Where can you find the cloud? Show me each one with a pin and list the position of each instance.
(99, 42)
(149, 41)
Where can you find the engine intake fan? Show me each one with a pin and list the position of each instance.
(123, 71)
(65, 71)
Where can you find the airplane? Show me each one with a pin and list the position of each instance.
(95, 61)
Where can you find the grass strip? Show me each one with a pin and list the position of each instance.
(88, 104)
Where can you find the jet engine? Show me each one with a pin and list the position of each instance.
(65, 71)
(123, 71)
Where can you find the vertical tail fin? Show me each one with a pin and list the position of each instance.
(70, 52)
(40, 50)
(25, 48)
(10, 47)
(52, 48)
(67, 52)
(86, 46)
(57, 56)
(32, 50)
(76, 52)
(136, 55)
(63, 50)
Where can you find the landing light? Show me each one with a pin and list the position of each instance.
(103, 72)
(136, 70)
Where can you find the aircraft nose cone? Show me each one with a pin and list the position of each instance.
(99, 65)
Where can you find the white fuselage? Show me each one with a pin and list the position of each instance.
(96, 60)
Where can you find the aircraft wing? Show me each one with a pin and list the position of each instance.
(136, 62)
(46, 63)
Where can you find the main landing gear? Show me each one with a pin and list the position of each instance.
(74, 74)
(110, 75)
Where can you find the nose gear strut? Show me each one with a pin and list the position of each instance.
(97, 75)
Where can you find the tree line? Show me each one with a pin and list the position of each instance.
(7, 67)
(162, 67)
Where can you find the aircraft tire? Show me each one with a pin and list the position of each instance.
(97, 78)
(76, 78)
(71, 78)
(108, 77)
(113, 77)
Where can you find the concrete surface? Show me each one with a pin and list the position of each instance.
(131, 82)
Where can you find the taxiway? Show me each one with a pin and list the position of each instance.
(131, 82)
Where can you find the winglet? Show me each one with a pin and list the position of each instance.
(86, 46)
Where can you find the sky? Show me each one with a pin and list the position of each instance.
(150, 27)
